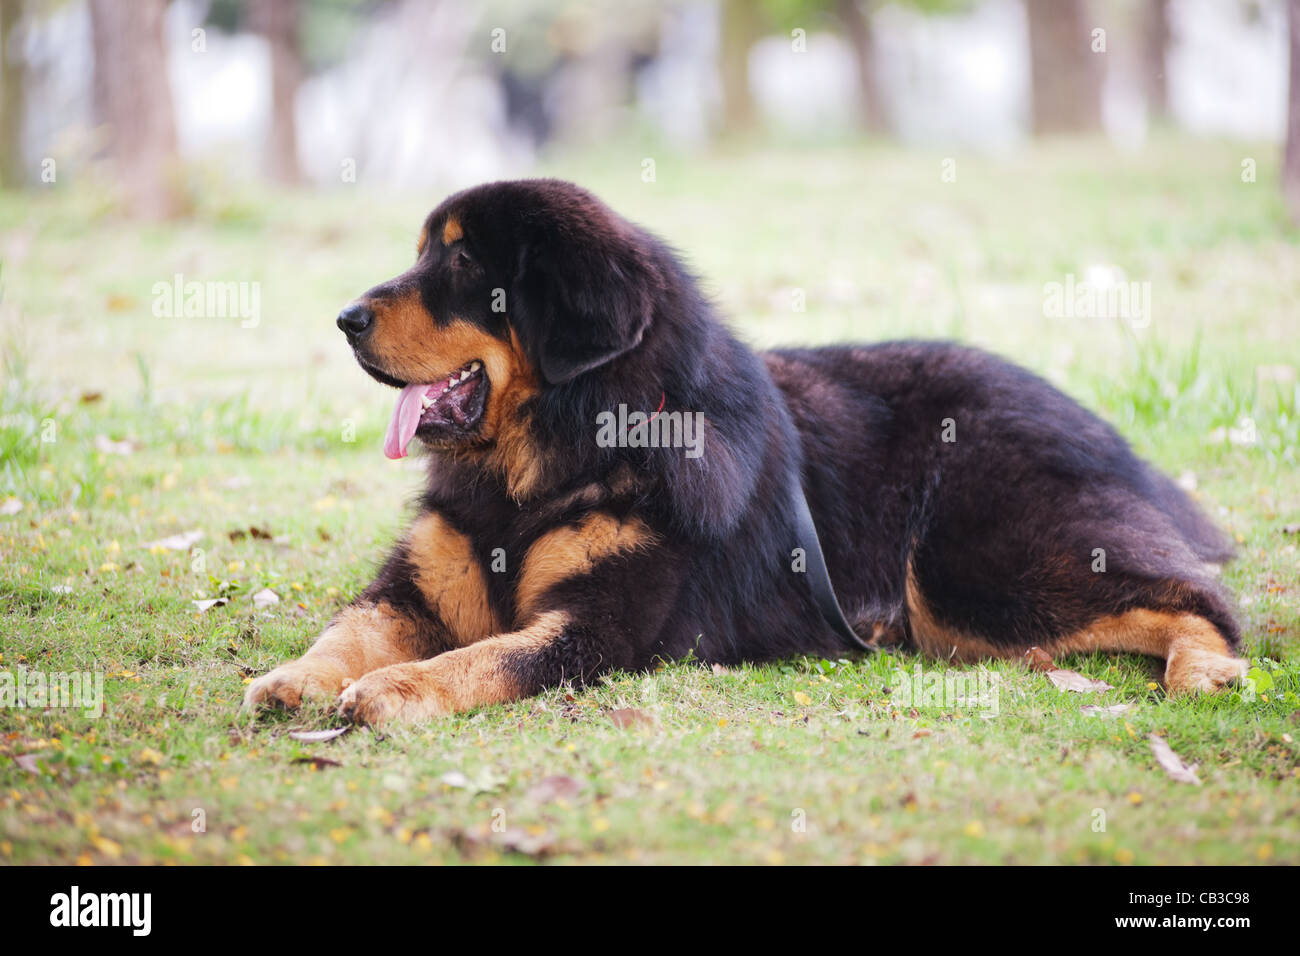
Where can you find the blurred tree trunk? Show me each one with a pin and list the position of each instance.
(1155, 68)
(741, 29)
(857, 27)
(1291, 159)
(1065, 73)
(134, 98)
(12, 97)
(280, 22)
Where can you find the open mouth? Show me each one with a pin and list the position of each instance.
(447, 409)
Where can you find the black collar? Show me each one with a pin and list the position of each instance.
(819, 579)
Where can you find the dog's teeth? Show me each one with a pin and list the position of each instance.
(463, 375)
(426, 401)
(451, 382)
(475, 366)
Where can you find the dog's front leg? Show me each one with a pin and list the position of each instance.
(362, 638)
(590, 598)
(429, 596)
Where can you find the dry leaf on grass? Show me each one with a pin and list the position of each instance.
(317, 736)
(1039, 660)
(536, 842)
(203, 606)
(320, 763)
(626, 717)
(27, 762)
(555, 787)
(178, 542)
(1171, 763)
(265, 598)
(11, 506)
(1093, 710)
(1070, 680)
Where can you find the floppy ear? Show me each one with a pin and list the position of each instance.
(579, 303)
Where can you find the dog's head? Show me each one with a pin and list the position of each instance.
(517, 287)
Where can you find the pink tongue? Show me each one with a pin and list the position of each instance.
(406, 419)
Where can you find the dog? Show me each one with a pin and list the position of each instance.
(611, 475)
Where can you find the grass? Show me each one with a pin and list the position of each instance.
(119, 429)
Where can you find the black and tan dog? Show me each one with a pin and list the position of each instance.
(966, 508)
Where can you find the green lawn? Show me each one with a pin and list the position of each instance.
(119, 428)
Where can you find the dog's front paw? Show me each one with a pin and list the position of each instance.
(292, 684)
(402, 692)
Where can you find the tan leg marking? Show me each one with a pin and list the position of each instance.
(451, 579)
(940, 640)
(571, 552)
(1197, 657)
(361, 639)
(453, 682)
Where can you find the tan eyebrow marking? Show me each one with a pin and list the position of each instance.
(451, 231)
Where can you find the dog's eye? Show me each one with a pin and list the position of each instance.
(461, 260)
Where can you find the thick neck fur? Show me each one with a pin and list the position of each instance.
(694, 364)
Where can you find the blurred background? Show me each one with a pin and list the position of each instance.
(834, 169)
(435, 94)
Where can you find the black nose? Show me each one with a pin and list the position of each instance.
(355, 319)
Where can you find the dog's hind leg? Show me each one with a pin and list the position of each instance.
(1197, 656)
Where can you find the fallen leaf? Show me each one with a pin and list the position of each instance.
(317, 736)
(721, 671)
(11, 506)
(1070, 680)
(486, 781)
(27, 762)
(265, 598)
(89, 398)
(535, 844)
(320, 763)
(1039, 660)
(178, 542)
(1093, 710)
(626, 717)
(555, 787)
(1291, 528)
(1171, 763)
(203, 606)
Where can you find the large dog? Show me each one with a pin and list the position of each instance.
(611, 478)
